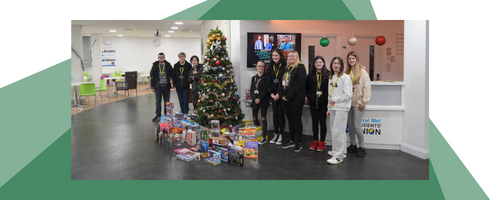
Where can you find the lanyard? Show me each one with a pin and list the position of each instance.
(290, 69)
(333, 86)
(161, 71)
(181, 69)
(318, 80)
(352, 76)
(257, 82)
(277, 72)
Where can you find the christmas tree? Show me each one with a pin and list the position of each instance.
(218, 97)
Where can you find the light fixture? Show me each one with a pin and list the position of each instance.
(167, 35)
(170, 31)
(173, 27)
(112, 31)
(179, 23)
(120, 35)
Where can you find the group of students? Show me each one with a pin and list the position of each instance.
(181, 75)
(340, 93)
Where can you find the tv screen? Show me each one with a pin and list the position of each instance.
(260, 45)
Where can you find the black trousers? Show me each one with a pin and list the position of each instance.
(294, 117)
(278, 117)
(159, 93)
(263, 113)
(318, 115)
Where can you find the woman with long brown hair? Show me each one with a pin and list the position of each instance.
(361, 95)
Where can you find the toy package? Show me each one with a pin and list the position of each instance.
(181, 150)
(213, 157)
(218, 140)
(247, 95)
(191, 137)
(170, 109)
(186, 156)
(251, 149)
(225, 155)
(235, 128)
(203, 148)
(214, 127)
(179, 116)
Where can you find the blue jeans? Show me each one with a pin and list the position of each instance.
(183, 95)
(159, 93)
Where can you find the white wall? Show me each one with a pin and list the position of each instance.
(338, 31)
(96, 58)
(416, 94)
(138, 54)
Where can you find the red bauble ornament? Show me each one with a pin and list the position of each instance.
(230, 106)
(229, 68)
(219, 111)
(221, 47)
(380, 40)
(200, 81)
(205, 80)
(215, 90)
(217, 63)
(227, 74)
(213, 81)
(211, 101)
(225, 38)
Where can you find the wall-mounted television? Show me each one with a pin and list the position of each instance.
(260, 45)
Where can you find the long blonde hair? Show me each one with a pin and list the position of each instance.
(357, 67)
(297, 62)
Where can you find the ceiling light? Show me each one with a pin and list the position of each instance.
(120, 35)
(179, 23)
(112, 31)
(173, 27)
(170, 31)
(167, 35)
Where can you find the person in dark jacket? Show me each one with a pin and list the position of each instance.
(181, 81)
(316, 91)
(260, 98)
(160, 74)
(293, 93)
(277, 67)
(194, 78)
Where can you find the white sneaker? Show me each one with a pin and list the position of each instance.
(331, 154)
(262, 140)
(280, 140)
(274, 139)
(334, 161)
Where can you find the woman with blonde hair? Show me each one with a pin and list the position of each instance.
(293, 93)
(361, 95)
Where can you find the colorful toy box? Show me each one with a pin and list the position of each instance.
(179, 116)
(181, 150)
(251, 149)
(203, 148)
(170, 109)
(213, 157)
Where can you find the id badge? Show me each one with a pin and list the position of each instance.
(319, 93)
(256, 92)
(275, 80)
(181, 77)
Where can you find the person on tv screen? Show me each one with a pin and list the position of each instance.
(286, 44)
(269, 44)
(258, 44)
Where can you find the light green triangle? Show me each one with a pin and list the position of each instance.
(195, 12)
(455, 180)
(361, 9)
(32, 116)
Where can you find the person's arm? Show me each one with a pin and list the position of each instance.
(153, 78)
(252, 90)
(263, 87)
(197, 76)
(190, 76)
(366, 88)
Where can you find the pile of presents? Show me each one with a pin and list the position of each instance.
(212, 142)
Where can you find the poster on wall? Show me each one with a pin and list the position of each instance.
(106, 43)
(108, 58)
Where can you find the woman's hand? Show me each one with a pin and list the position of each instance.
(257, 101)
(328, 113)
(361, 108)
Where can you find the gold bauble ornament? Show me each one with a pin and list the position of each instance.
(198, 101)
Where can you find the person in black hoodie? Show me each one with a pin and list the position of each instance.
(194, 78)
(293, 93)
(316, 91)
(181, 78)
(278, 68)
(160, 74)
(260, 97)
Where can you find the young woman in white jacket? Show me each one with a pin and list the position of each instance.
(339, 103)
(361, 95)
